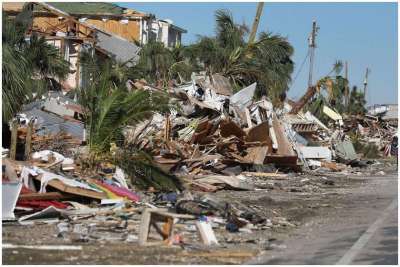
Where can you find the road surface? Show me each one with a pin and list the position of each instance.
(362, 231)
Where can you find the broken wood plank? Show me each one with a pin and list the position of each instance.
(57, 184)
(150, 217)
(28, 140)
(144, 227)
(256, 155)
(13, 147)
(248, 118)
(229, 181)
(265, 174)
(229, 128)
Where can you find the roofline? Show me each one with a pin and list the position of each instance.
(91, 15)
(134, 15)
(174, 26)
(182, 30)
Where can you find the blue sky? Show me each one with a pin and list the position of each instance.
(364, 34)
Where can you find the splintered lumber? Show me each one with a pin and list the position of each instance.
(256, 155)
(248, 118)
(204, 187)
(228, 128)
(28, 140)
(333, 166)
(14, 130)
(265, 174)
(57, 184)
(150, 217)
(229, 181)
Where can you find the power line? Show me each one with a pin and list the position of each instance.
(301, 67)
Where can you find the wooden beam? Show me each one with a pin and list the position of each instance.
(144, 227)
(14, 131)
(248, 118)
(28, 140)
(77, 74)
(57, 184)
(55, 27)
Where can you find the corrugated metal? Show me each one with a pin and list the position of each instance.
(51, 123)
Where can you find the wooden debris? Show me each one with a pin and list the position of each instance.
(74, 190)
(265, 174)
(150, 217)
(13, 147)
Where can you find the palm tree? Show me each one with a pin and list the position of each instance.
(331, 91)
(266, 61)
(16, 72)
(357, 102)
(46, 61)
(109, 107)
(28, 66)
(181, 67)
(155, 61)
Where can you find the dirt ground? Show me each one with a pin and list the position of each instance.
(287, 204)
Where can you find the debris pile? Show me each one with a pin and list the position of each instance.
(216, 140)
(373, 130)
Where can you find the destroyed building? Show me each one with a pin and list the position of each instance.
(219, 139)
(129, 24)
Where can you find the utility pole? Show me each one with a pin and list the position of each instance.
(312, 45)
(366, 83)
(347, 89)
(252, 36)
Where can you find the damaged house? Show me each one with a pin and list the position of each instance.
(106, 29)
(112, 30)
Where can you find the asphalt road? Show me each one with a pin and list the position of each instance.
(361, 231)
